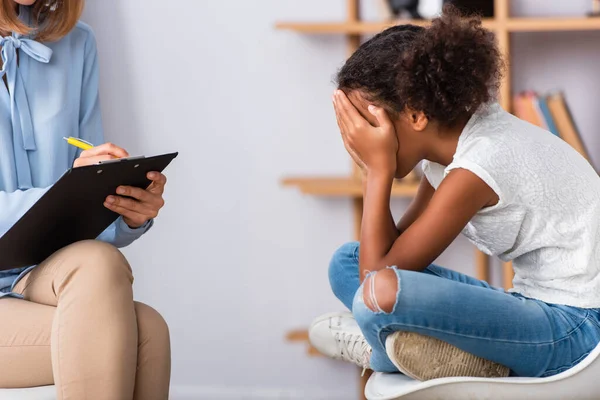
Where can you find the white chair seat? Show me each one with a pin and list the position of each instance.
(580, 382)
(36, 393)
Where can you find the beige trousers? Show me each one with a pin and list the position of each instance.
(79, 328)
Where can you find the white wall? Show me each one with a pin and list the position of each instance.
(235, 260)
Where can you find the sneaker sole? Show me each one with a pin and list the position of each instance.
(423, 358)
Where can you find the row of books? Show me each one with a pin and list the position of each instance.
(551, 113)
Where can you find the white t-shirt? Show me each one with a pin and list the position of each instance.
(548, 217)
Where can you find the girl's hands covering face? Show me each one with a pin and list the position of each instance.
(373, 148)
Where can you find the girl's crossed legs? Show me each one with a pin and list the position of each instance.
(530, 337)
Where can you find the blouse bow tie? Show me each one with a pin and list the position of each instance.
(22, 124)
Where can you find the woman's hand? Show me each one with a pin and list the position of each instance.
(373, 148)
(140, 205)
(106, 151)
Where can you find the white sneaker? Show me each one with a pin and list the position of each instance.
(337, 335)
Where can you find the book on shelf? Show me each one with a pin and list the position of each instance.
(526, 106)
(550, 112)
(564, 122)
(547, 115)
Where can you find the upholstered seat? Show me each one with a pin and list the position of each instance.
(580, 382)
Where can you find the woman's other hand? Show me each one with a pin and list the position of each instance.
(140, 205)
(136, 206)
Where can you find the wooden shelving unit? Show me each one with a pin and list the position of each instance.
(343, 187)
(552, 24)
(511, 25)
(353, 28)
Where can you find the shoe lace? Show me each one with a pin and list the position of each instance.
(354, 348)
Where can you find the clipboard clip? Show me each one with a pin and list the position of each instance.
(117, 160)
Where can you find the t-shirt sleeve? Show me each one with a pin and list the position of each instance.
(433, 172)
(479, 171)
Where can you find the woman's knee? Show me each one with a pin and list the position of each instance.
(153, 333)
(343, 267)
(97, 263)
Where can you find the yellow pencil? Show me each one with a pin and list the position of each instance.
(82, 144)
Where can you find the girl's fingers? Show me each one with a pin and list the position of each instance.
(337, 116)
(351, 150)
(348, 113)
(343, 130)
(382, 117)
(341, 126)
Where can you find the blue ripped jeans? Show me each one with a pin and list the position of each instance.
(529, 336)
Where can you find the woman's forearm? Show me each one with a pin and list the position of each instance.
(378, 231)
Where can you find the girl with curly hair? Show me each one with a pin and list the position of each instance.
(413, 94)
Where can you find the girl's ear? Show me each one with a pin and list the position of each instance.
(417, 119)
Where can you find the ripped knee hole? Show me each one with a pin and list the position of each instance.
(380, 291)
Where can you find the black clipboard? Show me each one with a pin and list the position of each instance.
(73, 209)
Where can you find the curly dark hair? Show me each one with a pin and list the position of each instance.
(446, 70)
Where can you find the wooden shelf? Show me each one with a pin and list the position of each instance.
(301, 335)
(353, 28)
(512, 25)
(552, 24)
(343, 187)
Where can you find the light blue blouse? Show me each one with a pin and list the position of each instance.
(52, 92)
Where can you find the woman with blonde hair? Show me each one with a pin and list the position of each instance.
(70, 321)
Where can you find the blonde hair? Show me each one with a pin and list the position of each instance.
(50, 19)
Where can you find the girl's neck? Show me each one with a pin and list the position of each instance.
(442, 147)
